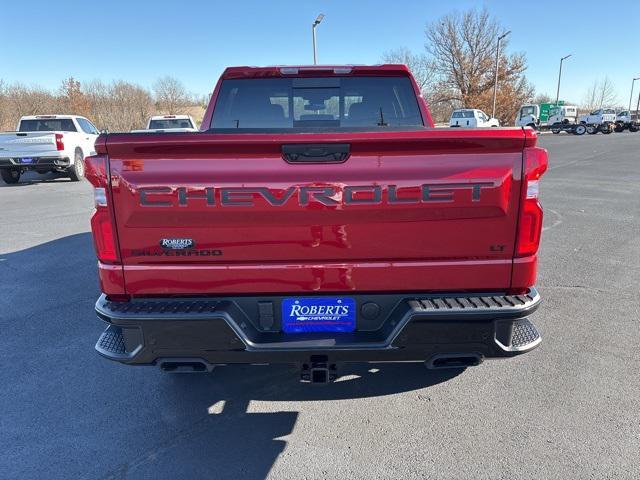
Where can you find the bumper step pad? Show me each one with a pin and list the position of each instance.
(474, 305)
(518, 336)
(112, 344)
(524, 335)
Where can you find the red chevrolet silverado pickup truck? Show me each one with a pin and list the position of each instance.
(317, 218)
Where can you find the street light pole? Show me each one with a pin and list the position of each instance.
(560, 76)
(495, 84)
(313, 32)
(631, 96)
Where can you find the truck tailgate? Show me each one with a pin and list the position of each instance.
(20, 144)
(406, 211)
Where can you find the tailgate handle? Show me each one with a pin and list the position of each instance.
(316, 153)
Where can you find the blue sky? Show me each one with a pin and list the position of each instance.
(139, 41)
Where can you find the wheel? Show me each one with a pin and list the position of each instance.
(580, 130)
(555, 131)
(10, 175)
(618, 128)
(606, 129)
(592, 130)
(76, 171)
(633, 128)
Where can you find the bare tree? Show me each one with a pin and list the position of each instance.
(72, 99)
(116, 106)
(171, 96)
(119, 106)
(20, 100)
(462, 49)
(600, 94)
(543, 98)
(418, 64)
(421, 67)
(4, 107)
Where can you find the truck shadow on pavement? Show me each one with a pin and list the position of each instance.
(34, 178)
(99, 419)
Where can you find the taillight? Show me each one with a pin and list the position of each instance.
(59, 142)
(530, 221)
(101, 221)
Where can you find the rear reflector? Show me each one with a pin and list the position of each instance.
(530, 221)
(100, 196)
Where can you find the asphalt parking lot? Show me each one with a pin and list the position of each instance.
(569, 409)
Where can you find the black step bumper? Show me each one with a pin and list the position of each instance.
(407, 327)
(36, 163)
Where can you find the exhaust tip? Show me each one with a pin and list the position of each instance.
(453, 360)
(184, 366)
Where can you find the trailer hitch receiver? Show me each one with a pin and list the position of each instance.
(318, 371)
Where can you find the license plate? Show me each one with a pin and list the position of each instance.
(26, 160)
(335, 314)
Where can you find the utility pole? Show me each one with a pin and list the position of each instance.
(313, 32)
(495, 83)
(631, 96)
(560, 76)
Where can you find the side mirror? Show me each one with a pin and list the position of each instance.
(104, 132)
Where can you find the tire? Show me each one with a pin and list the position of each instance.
(633, 128)
(619, 128)
(10, 176)
(555, 131)
(76, 171)
(580, 129)
(606, 129)
(592, 130)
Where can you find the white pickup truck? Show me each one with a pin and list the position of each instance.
(627, 120)
(169, 124)
(472, 118)
(601, 120)
(47, 143)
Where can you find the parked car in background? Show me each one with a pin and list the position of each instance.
(601, 120)
(627, 120)
(170, 123)
(47, 143)
(472, 118)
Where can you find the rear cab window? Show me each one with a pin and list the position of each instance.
(341, 103)
(47, 125)
(166, 123)
(462, 114)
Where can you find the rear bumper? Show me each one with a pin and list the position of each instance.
(406, 327)
(36, 163)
